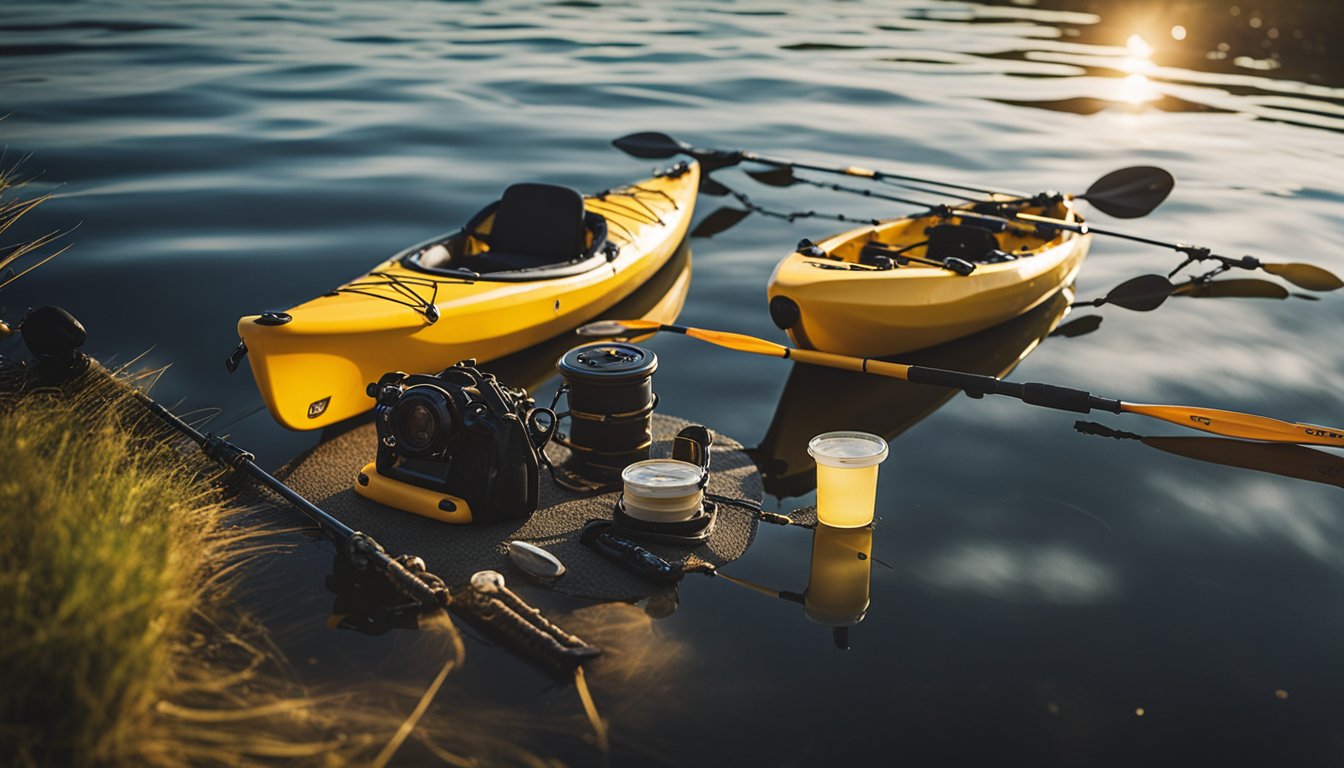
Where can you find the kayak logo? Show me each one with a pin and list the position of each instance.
(1197, 419)
(319, 407)
(1323, 433)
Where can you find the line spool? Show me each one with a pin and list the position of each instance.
(611, 403)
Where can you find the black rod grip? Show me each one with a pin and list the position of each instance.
(1062, 398)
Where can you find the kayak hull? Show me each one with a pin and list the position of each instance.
(877, 312)
(313, 367)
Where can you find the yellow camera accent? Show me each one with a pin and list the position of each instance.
(411, 498)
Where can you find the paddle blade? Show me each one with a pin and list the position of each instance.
(1243, 425)
(1306, 276)
(1079, 327)
(738, 341)
(720, 220)
(712, 187)
(651, 145)
(610, 328)
(1239, 288)
(1141, 294)
(775, 177)
(1130, 192)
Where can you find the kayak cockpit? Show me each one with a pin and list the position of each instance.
(534, 232)
(931, 240)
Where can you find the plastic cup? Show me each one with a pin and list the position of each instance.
(847, 464)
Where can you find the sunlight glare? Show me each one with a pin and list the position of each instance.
(1138, 47)
(1136, 89)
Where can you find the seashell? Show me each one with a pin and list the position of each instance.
(535, 561)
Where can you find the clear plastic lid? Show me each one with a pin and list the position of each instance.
(662, 478)
(847, 449)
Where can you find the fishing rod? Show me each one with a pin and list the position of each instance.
(406, 573)
(1308, 276)
(1221, 422)
(1125, 194)
(54, 337)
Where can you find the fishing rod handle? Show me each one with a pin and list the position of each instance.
(1043, 395)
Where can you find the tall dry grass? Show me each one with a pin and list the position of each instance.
(120, 641)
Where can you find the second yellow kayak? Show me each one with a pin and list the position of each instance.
(873, 291)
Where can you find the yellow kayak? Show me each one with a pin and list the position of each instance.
(537, 263)
(911, 283)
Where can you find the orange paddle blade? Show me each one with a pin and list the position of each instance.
(740, 342)
(1243, 425)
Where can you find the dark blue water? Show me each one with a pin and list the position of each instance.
(1042, 596)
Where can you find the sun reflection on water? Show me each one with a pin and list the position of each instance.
(1136, 89)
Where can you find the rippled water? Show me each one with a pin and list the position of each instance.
(1040, 594)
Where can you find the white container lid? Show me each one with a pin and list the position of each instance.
(848, 450)
(662, 478)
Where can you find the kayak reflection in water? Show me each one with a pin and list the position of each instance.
(885, 406)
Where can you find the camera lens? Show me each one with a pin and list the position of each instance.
(416, 424)
(421, 422)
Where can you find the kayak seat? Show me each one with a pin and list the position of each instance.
(973, 244)
(535, 232)
(536, 225)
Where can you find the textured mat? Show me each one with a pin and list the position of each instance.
(326, 476)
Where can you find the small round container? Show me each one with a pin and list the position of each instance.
(847, 464)
(611, 404)
(662, 490)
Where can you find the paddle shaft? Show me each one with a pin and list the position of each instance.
(1216, 421)
(358, 546)
(869, 173)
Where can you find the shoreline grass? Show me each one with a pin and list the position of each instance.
(116, 554)
(123, 643)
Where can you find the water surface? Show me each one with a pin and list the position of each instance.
(1042, 595)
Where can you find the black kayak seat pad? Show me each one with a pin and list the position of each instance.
(971, 244)
(535, 225)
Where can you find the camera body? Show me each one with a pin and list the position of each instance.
(456, 446)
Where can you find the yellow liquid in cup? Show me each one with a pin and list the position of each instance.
(846, 496)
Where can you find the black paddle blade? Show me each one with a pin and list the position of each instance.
(712, 187)
(1240, 288)
(1130, 192)
(651, 145)
(1306, 276)
(719, 221)
(775, 177)
(1141, 294)
(1079, 327)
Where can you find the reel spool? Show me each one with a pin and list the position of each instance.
(611, 402)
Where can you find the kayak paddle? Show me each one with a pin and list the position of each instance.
(1306, 276)
(1220, 422)
(1125, 194)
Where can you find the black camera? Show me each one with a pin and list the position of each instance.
(457, 446)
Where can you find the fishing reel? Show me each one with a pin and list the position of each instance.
(54, 338)
(456, 446)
